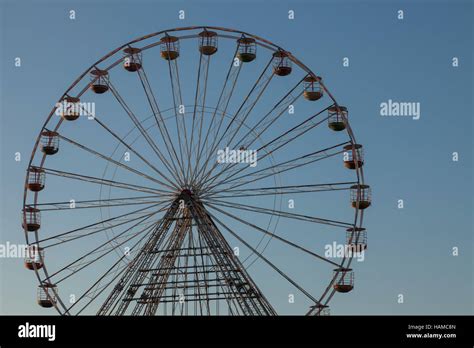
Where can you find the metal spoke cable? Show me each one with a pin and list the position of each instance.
(260, 80)
(283, 190)
(99, 223)
(106, 182)
(117, 163)
(279, 108)
(142, 130)
(281, 167)
(134, 234)
(261, 210)
(284, 275)
(222, 104)
(135, 152)
(280, 140)
(119, 261)
(161, 124)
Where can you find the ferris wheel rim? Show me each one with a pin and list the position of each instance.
(263, 42)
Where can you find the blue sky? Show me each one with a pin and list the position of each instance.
(409, 60)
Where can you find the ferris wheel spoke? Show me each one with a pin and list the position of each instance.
(251, 192)
(98, 289)
(266, 121)
(97, 203)
(269, 172)
(95, 224)
(303, 127)
(259, 90)
(247, 104)
(135, 152)
(196, 98)
(105, 182)
(104, 275)
(157, 113)
(102, 124)
(268, 262)
(73, 237)
(101, 248)
(278, 168)
(142, 130)
(105, 252)
(117, 163)
(279, 213)
(203, 103)
(93, 293)
(179, 117)
(199, 101)
(222, 104)
(244, 109)
(284, 190)
(273, 235)
(284, 139)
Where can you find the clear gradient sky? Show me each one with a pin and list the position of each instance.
(410, 249)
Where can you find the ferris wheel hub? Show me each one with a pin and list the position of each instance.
(187, 192)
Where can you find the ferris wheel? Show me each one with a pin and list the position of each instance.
(194, 171)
